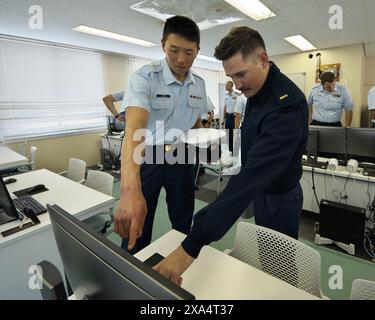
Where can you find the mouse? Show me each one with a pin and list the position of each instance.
(10, 180)
(38, 187)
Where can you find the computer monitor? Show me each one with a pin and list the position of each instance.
(98, 269)
(8, 211)
(312, 145)
(331, 142)
(361, 144)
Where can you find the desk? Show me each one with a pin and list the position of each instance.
(215, 275)
(20, 251)
(11, 159)
(328, 185)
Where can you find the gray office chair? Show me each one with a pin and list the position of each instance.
(362, 290)
(278, 255)
(102, 182)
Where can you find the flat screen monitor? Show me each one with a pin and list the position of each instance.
(331, 142)
(98, 269)
(361, 144)
(8, 211)
(312, 144)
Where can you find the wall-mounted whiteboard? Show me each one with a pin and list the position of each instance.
(299, 79)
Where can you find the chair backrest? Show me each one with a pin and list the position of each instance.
(363, 290)
(278, 255)
(76, 170)
(100, 181)
(33, 151)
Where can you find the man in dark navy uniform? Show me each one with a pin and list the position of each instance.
(273, 137)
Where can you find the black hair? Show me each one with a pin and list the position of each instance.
(327, 76)
(182, 26)
(243, 39)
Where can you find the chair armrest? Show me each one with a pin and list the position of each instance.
(228, 251)
(63, 172)
(81, 181)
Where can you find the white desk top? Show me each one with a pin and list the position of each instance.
(215, 275)
(75, 198)
(11, 159)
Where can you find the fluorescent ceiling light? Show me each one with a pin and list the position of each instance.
(253, 8)
(300, 42)
(112, 35)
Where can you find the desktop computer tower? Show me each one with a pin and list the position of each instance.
(342, 223)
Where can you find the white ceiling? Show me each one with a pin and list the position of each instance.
(306, 17)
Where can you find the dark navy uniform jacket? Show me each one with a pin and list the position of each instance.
(273, 138)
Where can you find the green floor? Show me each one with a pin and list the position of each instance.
(332, 260)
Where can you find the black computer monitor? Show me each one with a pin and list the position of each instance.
(8, 211)
(312, 145)
(331, 142)
(361, 144)
(98, 269)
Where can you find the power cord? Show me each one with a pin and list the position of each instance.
(313, 187)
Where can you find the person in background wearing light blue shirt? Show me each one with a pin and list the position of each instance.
(109, 103)
(230, 98)
(371, 105)
(328, 100)
(164, 95)
(239, 110)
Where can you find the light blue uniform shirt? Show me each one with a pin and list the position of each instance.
(169, 102)
(230, 101)
(328, 106)
(119, 96)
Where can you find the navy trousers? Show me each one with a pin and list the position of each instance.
(280, 212)
(178, 181)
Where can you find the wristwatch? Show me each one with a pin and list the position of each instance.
(117, 115)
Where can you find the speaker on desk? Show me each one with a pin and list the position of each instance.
(341, 222)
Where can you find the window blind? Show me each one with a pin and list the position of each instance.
(49, 90)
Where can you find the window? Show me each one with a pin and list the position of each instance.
(48, 90)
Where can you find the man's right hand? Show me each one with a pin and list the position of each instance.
(130, 217)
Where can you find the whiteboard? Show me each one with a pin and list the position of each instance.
(299, 78)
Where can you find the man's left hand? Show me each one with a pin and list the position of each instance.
(173, 266)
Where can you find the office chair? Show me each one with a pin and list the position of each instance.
(32, 164)
(76, 170)
(362, 290)
(102, 182)
(217, 167)
(278, 255)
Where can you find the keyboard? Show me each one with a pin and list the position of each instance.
(29, 202)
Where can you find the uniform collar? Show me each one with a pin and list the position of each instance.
(261, 96)
(169, 78)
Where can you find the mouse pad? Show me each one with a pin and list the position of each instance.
(24, 192)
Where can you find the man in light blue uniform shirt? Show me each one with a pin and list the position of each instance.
(162, 95)
(371, 105)
(230, 98)
(329, 99)
(239, 110)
